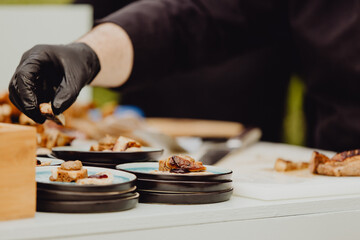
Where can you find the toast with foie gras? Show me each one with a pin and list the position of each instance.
(69, 171)
(47, 112)
(342, 164)
(282, 165)
(180, 164)
(120, 144)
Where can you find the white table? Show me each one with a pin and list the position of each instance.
(312, 218)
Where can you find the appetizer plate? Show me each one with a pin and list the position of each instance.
(55, 195)
(145, 170)
(53, 161)
(183, 186)
(113, 205)
(185, 198)
(122, 181)
(83, 153)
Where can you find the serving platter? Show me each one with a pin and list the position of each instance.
(53, 161)
(100, 206)
(56, 195)
(185, 198)
(83, 153)
(183, 186)
(122, 181)
(145, 170)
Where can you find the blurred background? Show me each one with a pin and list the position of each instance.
(24, 23)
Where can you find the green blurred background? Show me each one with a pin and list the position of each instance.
(294, 121)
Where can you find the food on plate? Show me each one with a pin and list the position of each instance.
(180, 164)
(121, 144)
(46, 111)
(282, 165)
(342, 164)
(52, 137)
(101, 178)
(42, 163)
(69, 171)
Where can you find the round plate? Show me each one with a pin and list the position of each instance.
(45, 194)
(143, 171)
(53, 162)
(183, 186)
(113, 205)
(104, 165)
(122, 181)
(83, 153)
(185, 198)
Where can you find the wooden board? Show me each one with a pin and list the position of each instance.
(195, 127)
(17, 178)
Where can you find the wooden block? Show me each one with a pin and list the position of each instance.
(196, 127)
(17, 177)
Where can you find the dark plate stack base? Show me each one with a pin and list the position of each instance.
(72, 198)
(100, 206)
(185, 198)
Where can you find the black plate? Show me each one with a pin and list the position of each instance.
(185, 198)
(121, 182)
(183, 186)
(82, 153)
(113, 205)
(45, 194)
(104, 165)
(144, 170)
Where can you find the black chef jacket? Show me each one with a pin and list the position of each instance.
(231, 60)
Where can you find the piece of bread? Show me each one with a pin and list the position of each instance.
(342, 164)
(69, 171)
(282, 165)
(123, 143)
(46, 111)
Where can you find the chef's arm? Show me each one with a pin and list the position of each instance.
(171, 36)
(115, 52)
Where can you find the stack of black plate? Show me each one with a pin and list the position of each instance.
(106, 159)
(174, 188)
(72, 198)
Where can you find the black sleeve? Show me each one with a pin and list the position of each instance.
(177, 35)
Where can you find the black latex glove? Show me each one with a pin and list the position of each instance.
(52, 73)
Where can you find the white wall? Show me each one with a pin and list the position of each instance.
(23, 26)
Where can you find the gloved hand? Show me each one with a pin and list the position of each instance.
(52, 73)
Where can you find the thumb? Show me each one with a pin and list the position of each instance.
(65, 96)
